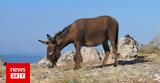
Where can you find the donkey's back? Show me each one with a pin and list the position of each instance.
(94, 31)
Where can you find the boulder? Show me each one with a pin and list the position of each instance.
(43, 62)
(88, 54)
(68, 56)
(127, 47)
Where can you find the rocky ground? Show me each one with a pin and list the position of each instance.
(144, 69)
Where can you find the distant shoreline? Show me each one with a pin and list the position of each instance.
(21, 58)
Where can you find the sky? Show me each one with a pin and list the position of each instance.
(23, 22)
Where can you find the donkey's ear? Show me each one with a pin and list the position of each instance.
(49, 37)
(44, 42)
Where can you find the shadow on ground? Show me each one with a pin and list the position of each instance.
(138, 59)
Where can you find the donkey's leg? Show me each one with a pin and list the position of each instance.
(107, 52)
(77, 56)
(114, 50)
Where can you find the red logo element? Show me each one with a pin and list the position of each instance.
(17, 73)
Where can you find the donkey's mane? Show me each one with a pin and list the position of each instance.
(63, 32)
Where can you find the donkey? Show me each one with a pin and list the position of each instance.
(84, 32)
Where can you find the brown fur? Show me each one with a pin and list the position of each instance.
(86, 32)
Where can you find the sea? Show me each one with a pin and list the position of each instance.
(21, 58)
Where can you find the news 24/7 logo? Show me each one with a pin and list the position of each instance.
(17, 73)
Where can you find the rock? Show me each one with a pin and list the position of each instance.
(61, 61)
(88, 54)
(43, 62)
(127, 47)
(68, 56)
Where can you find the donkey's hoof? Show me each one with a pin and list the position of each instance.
(115, 65)
(102, 65)
(77, 67)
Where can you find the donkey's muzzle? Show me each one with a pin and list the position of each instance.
(51, 65)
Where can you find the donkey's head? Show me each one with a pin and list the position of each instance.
(52, 51)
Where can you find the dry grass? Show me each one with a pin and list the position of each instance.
(2, 73)
(142, 72)
(150, 50)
